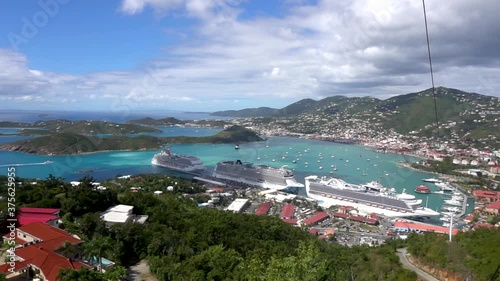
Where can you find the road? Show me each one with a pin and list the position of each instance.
(404, 260)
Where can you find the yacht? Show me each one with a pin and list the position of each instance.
(433, 180)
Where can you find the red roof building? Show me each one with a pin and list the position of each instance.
(39, 241)
(217, 189)
(322, 233)
(469, 218)
(287, 211)
(341, 215)
(345, 209)
(263, 209)
(318, 217)
(290, 221)
(357, 218)
(43, 215)
(486, 194)
(407, 226)
(493, 207)
(482, 225)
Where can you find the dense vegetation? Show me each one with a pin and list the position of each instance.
(465, 114)
(472, 255)
(184, 242)
(168, 121)
(77, 127)
(233, 134)
(248, 112)
(68, 143)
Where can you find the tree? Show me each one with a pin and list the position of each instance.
(69, 250)
(84, 274)
(115, 273)
(97, 247)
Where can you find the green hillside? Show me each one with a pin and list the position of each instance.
(233, 134)
(248, 112)
(69, 143)
(148, 121)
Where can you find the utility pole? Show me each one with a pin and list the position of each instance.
(451, 226)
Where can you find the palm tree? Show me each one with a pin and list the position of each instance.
(69, 250)
(97, 247)
(67, 274)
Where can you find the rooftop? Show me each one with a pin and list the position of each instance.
(287, 211)
(263, 208)
(318, 216)
(46, 232)
(424, 227)
(494, 205)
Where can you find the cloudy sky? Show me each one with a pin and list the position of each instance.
(206, 55)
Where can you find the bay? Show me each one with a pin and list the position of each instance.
(355, 164)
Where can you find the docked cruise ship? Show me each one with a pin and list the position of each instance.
(256, 175)
(182, 163)
(334, 191)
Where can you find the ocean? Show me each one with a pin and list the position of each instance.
(355, 164)
(111, 116)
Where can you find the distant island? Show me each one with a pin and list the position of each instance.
(171, 121)
(82, 127)
(71, 143)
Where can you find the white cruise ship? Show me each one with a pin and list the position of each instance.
(182, 163)
(334, 191)
(256, 175)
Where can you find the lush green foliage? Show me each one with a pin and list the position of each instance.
(233, 134)
(472, 255)
(182, 241)
(70, 143)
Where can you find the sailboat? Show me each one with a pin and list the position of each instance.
(364, 174)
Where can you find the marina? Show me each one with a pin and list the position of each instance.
(381, 168)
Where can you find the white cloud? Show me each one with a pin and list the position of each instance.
(366, 47)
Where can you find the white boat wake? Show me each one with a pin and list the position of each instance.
(27, 164)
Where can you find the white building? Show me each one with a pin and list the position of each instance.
(121, 214)
(238, 205)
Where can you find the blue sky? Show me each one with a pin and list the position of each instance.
(207, 55)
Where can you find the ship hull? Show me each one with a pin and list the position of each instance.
(261, 177)
(364, 202)
(180, 163)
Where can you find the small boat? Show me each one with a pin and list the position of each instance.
(433, 180)
(422, 189)
(236, 147)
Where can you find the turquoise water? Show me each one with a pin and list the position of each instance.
(9, 130)
(351, 161)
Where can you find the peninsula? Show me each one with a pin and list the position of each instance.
(70, 143)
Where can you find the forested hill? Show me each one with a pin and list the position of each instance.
(465, 113)
(82, 127)
(168, 121)
(248, 112)
(472, 255)
(68, 143)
